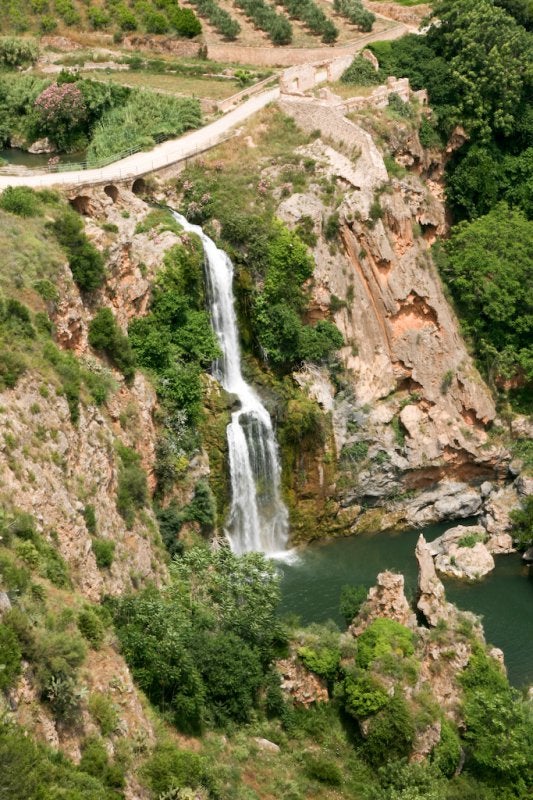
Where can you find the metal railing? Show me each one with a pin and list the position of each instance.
(72, 166)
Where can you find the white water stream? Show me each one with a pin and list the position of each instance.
(258, 519)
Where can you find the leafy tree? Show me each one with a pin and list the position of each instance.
(85, 261)
(362, 695)
(487, 264)
(106, 336)
(489, 57)
(20, 200)
(360, 73)
(202, 648)
(132, 489)
(391, 733)
(499, 725)
(10, 657)
(522, 519)
(351, 600)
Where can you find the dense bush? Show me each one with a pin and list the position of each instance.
(168, 768)
(522, 519)
(283, 338)
(381, 638)
(104, 552)
(362, 696)
(351, 600)
(487, 264)
(106, 336)
(132, 489)
(360, 73)
(391, 733)
(10, 657)
(18, 52)
(104, 712)
(202, 648)
(20, 200)
(86, 263)
(175, 342)
(91, 627)
(323, 660)
(499, 728)
(46, 773)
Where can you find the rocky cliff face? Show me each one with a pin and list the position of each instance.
(55, 469)
(413, 412)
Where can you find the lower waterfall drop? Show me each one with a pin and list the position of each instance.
(258, 519)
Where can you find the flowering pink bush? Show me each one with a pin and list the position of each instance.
(61, 108)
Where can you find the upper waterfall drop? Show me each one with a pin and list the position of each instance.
(258, 519)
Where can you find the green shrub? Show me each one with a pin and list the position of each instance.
(104, 712)
(86, 263)
(168, 768)
(354, 453)
(360, 73)
(381, 638)
(391, 733)
(447, 754)
(45, 772)
(20, 200)
(14, 577)
(323, 769)
(91, 627)
(104, 552)
(351, 600)
(12, 367)
(522, 519)
(324, 661)
(106, 336)
(90, 519)
(132, 490)
(332, 227)
(10, 657)
(18, 52)
(363, 695)
(95, 761)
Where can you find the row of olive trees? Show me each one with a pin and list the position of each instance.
(263, 15)
(223, 22)
(356, 13)
(313, 17)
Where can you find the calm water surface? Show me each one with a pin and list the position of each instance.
(311, 587)
(21, 158)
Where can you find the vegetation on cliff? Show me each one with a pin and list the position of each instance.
(475, 63)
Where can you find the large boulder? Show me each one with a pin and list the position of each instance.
(432, 601)
(471, 563)
(385, 599)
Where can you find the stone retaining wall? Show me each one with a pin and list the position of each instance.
(294, 56)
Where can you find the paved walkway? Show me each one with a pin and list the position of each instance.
(162, 155)
(174, 150)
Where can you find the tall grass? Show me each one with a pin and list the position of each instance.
(136, 124)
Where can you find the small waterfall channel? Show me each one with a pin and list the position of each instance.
(258, 519)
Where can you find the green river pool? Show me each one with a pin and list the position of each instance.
(312, 582)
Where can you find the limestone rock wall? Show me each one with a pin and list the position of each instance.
(413, 395)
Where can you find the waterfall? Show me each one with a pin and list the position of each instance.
(258, 519)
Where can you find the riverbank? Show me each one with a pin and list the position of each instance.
(312, 584)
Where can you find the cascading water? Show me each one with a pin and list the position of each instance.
(258, 519)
